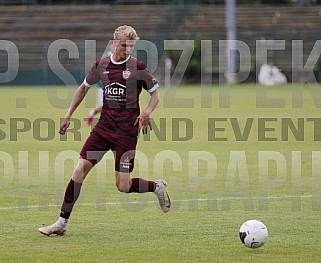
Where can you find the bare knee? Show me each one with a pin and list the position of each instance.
(122, 187)
(123, 182)
(82, 169)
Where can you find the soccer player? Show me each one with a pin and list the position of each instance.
(123, 79)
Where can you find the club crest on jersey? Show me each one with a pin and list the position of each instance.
(126, 74)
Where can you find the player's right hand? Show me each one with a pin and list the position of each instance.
(64, 126)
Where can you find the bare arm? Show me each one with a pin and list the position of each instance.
(144, 118)
(76, 100)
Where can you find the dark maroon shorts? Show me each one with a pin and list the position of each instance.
(99, 142)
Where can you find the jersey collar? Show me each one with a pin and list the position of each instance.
(118, 62)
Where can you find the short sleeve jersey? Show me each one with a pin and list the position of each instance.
(122, 84)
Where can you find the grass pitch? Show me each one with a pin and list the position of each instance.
(228, 157)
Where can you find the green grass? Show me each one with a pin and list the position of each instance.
(215, 185)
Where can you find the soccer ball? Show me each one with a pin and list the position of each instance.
(253, 233)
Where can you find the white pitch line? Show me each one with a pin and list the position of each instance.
(173, 201)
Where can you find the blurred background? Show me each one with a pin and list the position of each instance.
(32, 26)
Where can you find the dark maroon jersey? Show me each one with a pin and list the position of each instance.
(122, 85)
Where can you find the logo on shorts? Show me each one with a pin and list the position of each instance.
(125, 163)
(126, 74)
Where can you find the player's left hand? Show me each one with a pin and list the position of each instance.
(144, 122)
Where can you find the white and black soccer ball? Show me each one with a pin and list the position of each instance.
(253, 233)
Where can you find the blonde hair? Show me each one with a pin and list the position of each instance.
(125, 30)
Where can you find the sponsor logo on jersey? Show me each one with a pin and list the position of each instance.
(115, 91)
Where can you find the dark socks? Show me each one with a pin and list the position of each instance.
(71, 196)
(140, 185)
